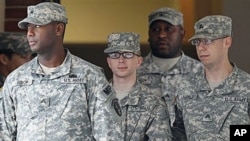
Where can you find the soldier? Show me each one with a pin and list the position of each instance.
(145, 116)
(218, 96)
(14, 51)
(166, 64)
(57, 96)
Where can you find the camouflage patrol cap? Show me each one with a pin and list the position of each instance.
(166, 14)
(123, 41)
(44, 13)
(213, 27)
(17, 42)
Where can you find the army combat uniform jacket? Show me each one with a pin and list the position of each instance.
(168, 82)
(144, 116)
(74, 103)
(208, 113)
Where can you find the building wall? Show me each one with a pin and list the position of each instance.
(90, 21)
(2, 5)
(240, 14)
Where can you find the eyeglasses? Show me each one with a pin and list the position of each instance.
(196, 42)
(126, 55)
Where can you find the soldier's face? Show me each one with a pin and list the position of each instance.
(43, 39)
(165, 39)
(124, 67)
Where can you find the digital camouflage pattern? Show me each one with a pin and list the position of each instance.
(17, 42)
(208, 113)
(166, 14)
(123, 41)
(144, 116)
(168, 83)
(74, 103)
(213, 27)
(44, 13)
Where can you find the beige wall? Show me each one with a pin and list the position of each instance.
(2, 5)
(90, 21)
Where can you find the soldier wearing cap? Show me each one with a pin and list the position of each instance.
(219, 96)
(166, 64)
(57, 96)
(144, 114)
(14, 51)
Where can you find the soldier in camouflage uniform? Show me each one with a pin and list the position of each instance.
(218, 96)
(14, 51)
(166, 64)
(144, 114)
(57, 96)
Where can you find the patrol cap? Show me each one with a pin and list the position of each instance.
(44, 13)
(17, 42)
(213, 27)
(123, 41)
(166, 14)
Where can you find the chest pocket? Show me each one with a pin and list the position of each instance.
(209, 115)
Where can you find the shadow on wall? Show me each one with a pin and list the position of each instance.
(94, 54)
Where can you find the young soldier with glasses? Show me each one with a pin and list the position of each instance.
(218, 96)
(144, 114)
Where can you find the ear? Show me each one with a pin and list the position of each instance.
(60, 28)
(4, 59)
(228, 42)
(139, 61)
(183, 32)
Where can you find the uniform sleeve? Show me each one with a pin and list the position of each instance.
(8, 124)
(104, 109)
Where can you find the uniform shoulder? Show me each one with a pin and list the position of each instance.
(79, 62)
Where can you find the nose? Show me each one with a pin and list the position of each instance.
(30, 31)
(121, 59)
(200, 46)
(163, 34)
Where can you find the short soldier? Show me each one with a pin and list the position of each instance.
(144, 114)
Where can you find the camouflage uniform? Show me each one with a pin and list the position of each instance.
(209, 112)
(74, 103)
(14, 42)
(144, 114)
(168, 82)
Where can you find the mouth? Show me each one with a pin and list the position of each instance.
(122, 68)
(163, 43)
(204, 56)
(32, 43)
